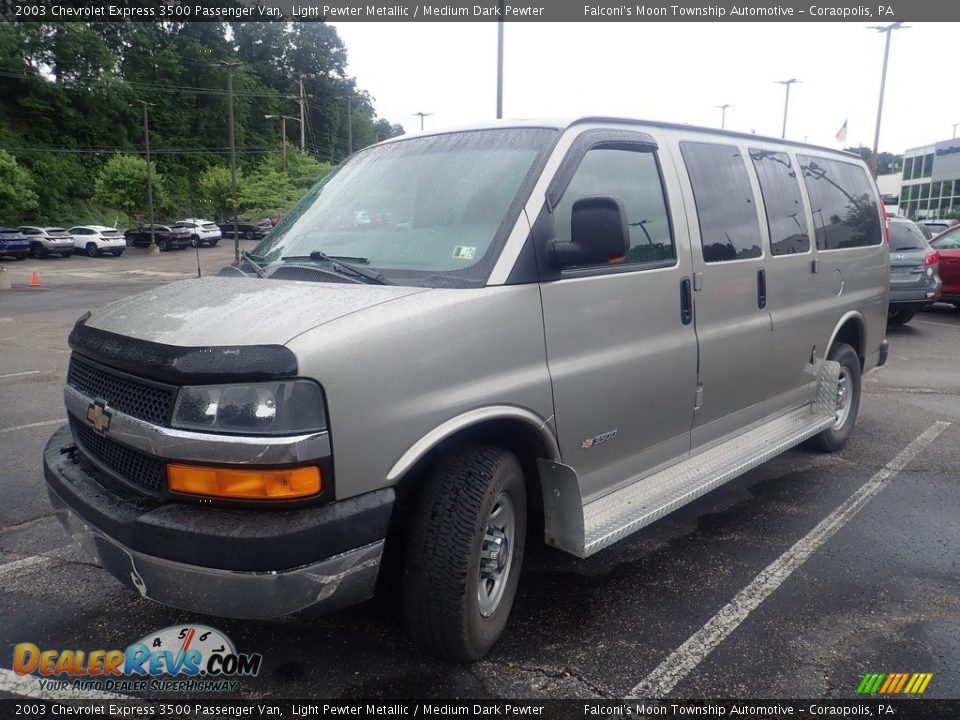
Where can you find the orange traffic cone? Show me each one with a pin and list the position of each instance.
(35, 279)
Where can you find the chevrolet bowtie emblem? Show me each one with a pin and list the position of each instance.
(98, 415)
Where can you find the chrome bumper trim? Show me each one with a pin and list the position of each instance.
(176, 444)
(327, 585)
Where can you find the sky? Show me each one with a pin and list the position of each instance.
(676, 72)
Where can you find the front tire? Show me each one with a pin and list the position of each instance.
(848, 400)
(92, 250)
(162, 244)
(37, 251)
(464, 553)
(195, 241)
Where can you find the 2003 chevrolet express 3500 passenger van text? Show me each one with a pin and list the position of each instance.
(596, 321)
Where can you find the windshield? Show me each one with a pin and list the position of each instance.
(425, 211)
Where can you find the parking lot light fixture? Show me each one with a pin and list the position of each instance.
(723, 115)
(888, 30)
(422, 116)
(786, 102)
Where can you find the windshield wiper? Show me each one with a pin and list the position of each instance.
(249, 258)
(338, 262)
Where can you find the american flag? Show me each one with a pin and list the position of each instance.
(841, 135)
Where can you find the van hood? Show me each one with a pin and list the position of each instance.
(238, 311)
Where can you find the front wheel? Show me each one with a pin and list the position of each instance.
(195, 241)
(37, 251)
(848, 400)
(92, 250)
(464, 553)
(162, 244)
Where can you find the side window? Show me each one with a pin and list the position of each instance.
(727, 214)
(845, 212)
(780, 188)
(634, 177)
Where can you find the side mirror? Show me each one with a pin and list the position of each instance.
(598, 233)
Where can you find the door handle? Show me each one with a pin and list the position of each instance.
(686, 301)
(761, 288)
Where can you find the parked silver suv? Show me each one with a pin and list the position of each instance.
(596, 321)
(914, 278)
(46, 241)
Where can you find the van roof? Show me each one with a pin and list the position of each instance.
(565, 123)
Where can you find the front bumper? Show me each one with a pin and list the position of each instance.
(237, 563)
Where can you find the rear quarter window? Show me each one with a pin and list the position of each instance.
(843, 203)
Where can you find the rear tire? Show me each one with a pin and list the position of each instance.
(464, 553)
(213, 243)
(117, 253)
(900, 316)
(848, 394)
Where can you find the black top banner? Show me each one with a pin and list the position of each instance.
(475, 10)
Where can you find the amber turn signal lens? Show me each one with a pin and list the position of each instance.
(245, 484)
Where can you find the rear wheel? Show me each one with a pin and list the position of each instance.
(117, 253)
(213, 243)
(848, 400)
(93, 250)
(464, 553)
(900, 316)
(247, 235)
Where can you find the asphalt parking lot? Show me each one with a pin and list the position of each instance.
(792, 581)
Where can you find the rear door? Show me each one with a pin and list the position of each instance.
(621, 351)
(732, 320)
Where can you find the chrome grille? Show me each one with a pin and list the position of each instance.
(142, 471)
(149, 402)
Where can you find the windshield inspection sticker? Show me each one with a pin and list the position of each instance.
(464, 252)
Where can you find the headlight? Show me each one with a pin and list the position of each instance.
(286, 407)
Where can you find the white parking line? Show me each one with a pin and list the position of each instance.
(29, 686)
(34, 560)
(685, 658)
(32, 425)
(20, 374)
(934, 322)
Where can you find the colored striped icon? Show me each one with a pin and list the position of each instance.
(894, 683)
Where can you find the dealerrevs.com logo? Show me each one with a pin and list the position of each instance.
(180, 658)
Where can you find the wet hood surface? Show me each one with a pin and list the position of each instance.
(237, 311)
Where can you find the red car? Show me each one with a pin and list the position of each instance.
(947, 245)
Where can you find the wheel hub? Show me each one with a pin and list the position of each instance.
(843, 397)
(496, 555)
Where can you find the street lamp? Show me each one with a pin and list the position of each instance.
(723, 116)
(500, 10)
(888, 30)
(152, 249)
(422, 116)
(786, 102)
(283, 132)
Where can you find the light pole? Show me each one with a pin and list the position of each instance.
(500, 9)
(233, 157)
(283, 132)
(786, 102)
(152, 249)
(888, 30)
(423, 115)
(723, 116)
(349, 99)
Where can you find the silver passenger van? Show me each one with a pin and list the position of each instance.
(596, 321)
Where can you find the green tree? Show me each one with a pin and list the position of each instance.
(216, 190)
(268, 191)
(17, 197)
(122, 184)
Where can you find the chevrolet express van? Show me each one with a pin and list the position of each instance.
(595, 321)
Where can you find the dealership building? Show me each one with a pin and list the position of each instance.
(931, 180)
